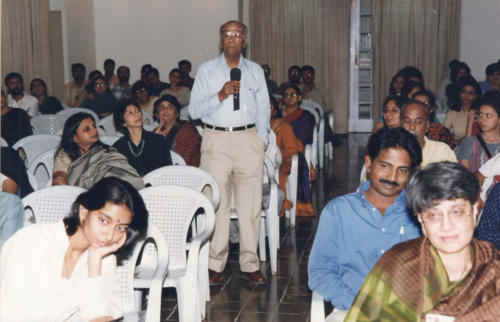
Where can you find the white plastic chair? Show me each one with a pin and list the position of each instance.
(291, 189)
(147, 118)
(321, 127)
(50, 204)
(317, 307)
(108, 126)
(172, 209)
(34, 145)
(329, 146)
(197, 179)
(314, 145)
(176, 158)
(42, 168)
(4, 143)
(109, 139)
(150, 127)
(73, 110)
(48, 124)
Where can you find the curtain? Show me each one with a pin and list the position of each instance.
(306, 32)
(421, 33)
(25, 40)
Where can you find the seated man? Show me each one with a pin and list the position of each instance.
(17, 97)
(74, 92)
(415, 119)
(356, 229)
(294, 75)
(446, 275)
(492, 81)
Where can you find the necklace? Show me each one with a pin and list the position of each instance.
(141, 147)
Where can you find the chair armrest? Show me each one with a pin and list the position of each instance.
(317, 307)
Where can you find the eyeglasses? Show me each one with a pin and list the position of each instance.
(290, 95)
(100, 84)
(140, 90)
(435, 217)
(233, 35)
(486, 115)
(294, 73)
(465, 92)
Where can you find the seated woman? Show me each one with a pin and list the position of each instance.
(457, 71)
(474, 151)
(144, 150)
(302, 123)
(66, 270)
(447, 273)
(82, 160)
(46, 104)
(288, 144)
(140, 93)
(100, 100)
(397, 82)
(410, 87)
(181, 93)
(15, 123)
(391, 109)
(460, 116)
(181, 136)
(14, 176)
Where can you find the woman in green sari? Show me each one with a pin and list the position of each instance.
(446, 275)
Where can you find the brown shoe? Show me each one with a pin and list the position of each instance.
(213, 276)
(255, 277)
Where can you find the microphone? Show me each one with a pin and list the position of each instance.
(236, 76)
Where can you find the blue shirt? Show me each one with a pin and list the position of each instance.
(485, 87)
(254, 98)
(352, 235)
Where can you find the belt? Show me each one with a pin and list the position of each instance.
(229, 128)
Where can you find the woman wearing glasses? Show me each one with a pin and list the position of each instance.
(100, 100)
(140, 93)
(446, 275)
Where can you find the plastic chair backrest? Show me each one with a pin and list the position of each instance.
(172, 209)
(42, 167)
(73, 110)
(36, 144)
(186, 176)
(48, 124)
(176, 158)
(109, 139)
(4, 143)
(51, 204)
(147, 118)
(108, 125)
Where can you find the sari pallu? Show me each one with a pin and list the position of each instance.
(410, 281)
(102, 161)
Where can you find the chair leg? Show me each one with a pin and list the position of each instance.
(272, 223)
(262, 240)
(186, 292)
(203, 283)
(138, 300)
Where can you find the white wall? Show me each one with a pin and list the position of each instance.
(160, 32)
(479, 34)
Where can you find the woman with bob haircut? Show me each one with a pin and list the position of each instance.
(82, 160)
(141, 94)
(447, 275)
(145, 151)
(181, 136)
(67, 270)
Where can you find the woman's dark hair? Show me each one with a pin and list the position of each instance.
(137, 86)
(491, 98)
(297, 90)
(456, 103)
(274, 103)
(411, 71)
(392, 90)
(166, 98)
(94, 74)
(397, 138)
(91, 85)
(429, 95)
(409, 85)
(174, 70)
(399, 100)
(68, 143)
(309, 68)
(440, 181)
(41, 82)
(456, 68)
(118, 114)
(118, 192)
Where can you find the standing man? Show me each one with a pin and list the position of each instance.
(233, 146)
(185, 68)
(122, 88)
(17, 97)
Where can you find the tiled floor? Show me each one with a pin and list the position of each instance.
(285, 296)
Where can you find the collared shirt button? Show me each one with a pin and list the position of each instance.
(383, 229)
(382, 251)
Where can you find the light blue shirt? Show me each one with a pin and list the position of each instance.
(352, 235)
(254, 98)
(11, 217)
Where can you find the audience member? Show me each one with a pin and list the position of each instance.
(155, 86)
(141, 94)
(145, 151)
(12, 218)
(46, 104)
(15, 123)
(391, 109)
(410, 87)
(487, 228)
(74, 92)
(474, 151)
(492, 81)
(17, 98)
(302, 122)
(460, 116)
(121, 89)
(181, 136)
(310, 89)
(81, 159)
(457, 72)
(488, 175)
(14, 174)
(436, 131)
(185, 68)
(441, 99)
(412, 73)
(357, 228)
(397, 82)
(109, 72)
(272, 86)
(67, 270)
(181, 93)
(294, 75)
(446, 275)
(102, 102)
(144, 71)
(415, 119)
(234, 142)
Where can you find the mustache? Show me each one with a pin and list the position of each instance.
(392, 183)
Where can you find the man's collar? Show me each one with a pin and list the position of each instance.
(366, 185)
(223, 60)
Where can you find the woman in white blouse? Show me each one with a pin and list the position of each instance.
(66, 270)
